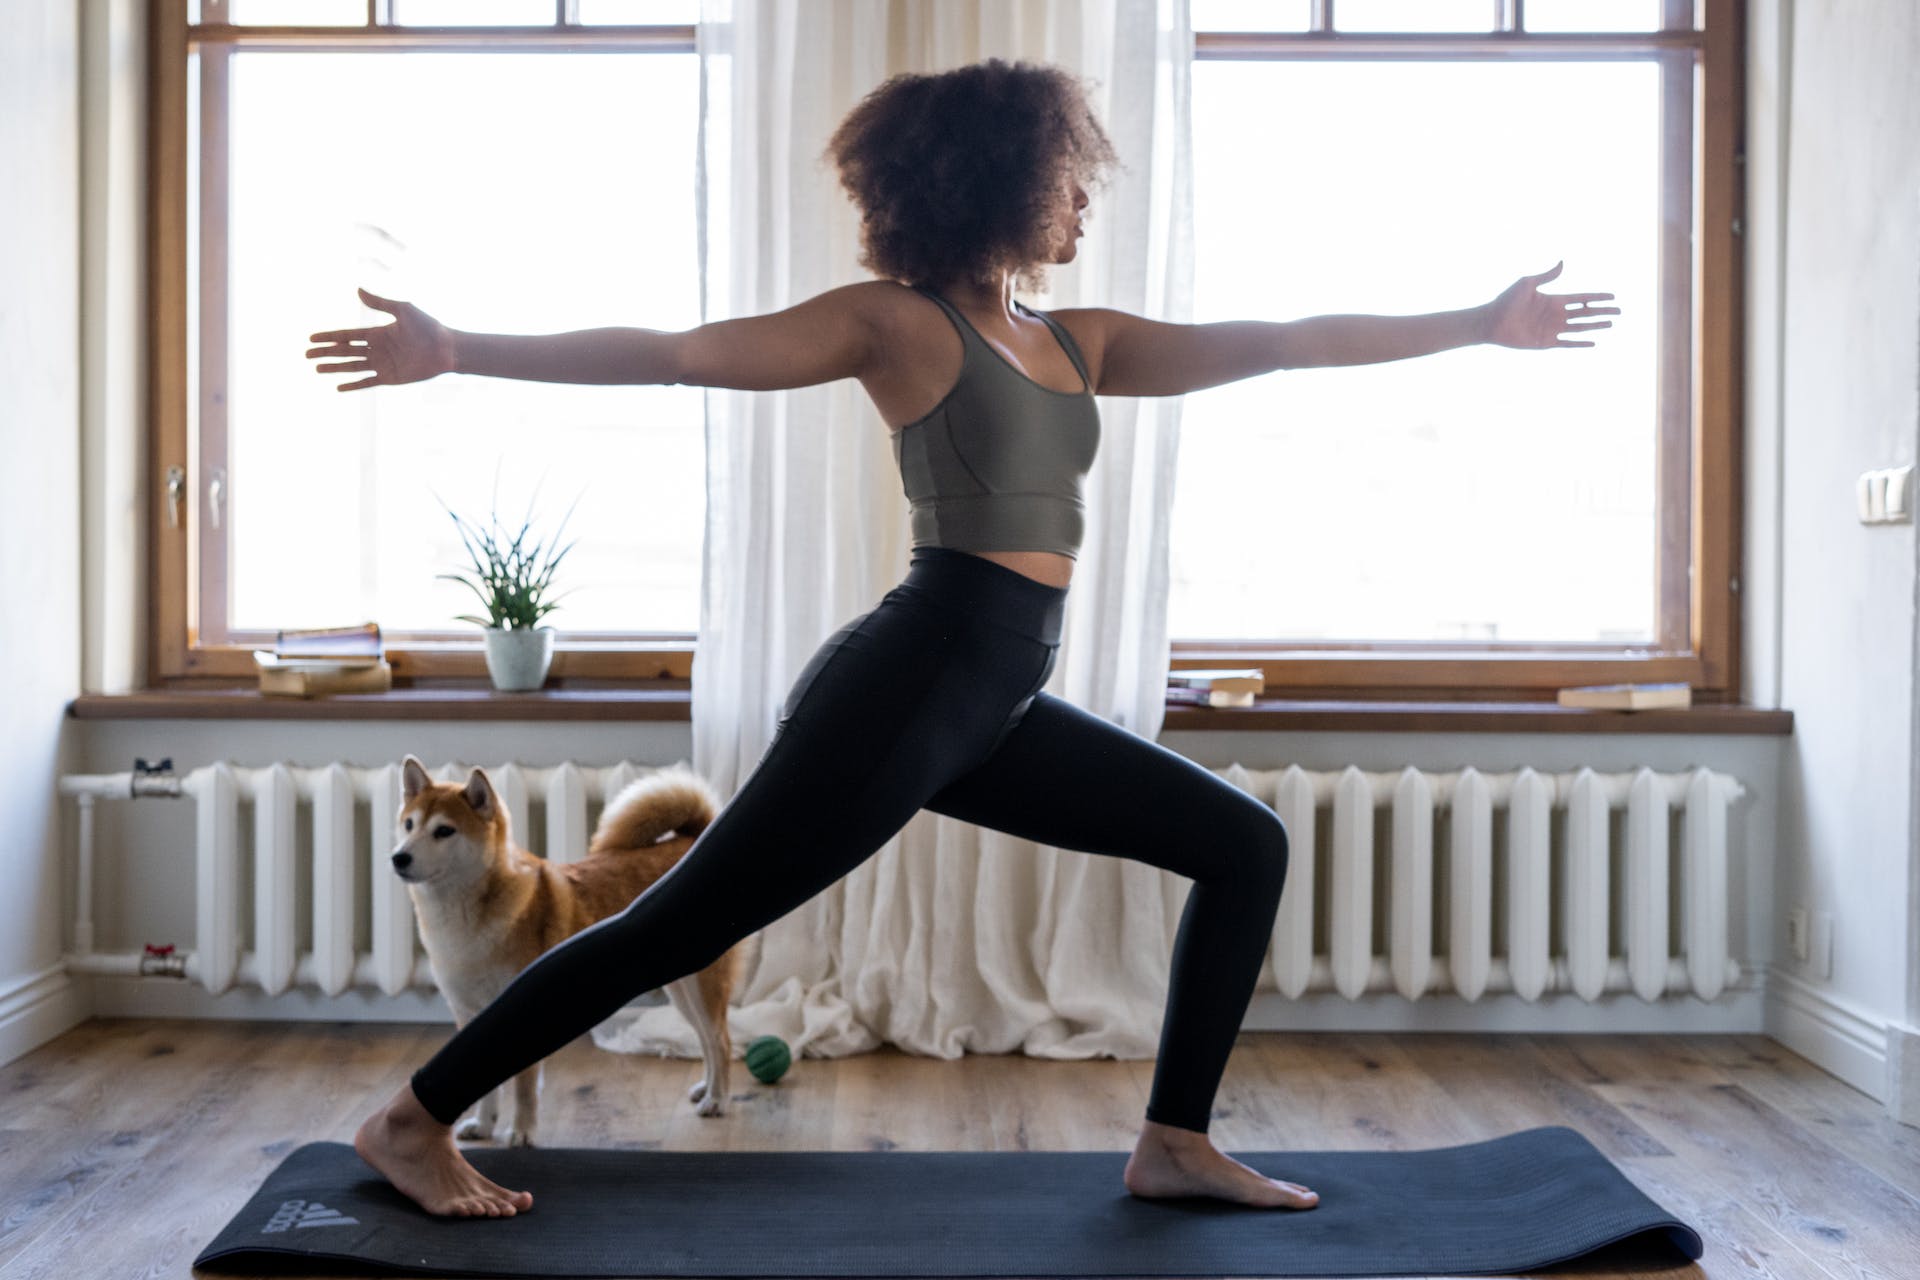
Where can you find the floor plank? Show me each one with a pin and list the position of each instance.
(1837, 1212)
(1506, 1083)
(1845, 1118)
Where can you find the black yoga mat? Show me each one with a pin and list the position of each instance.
(1515, 1203)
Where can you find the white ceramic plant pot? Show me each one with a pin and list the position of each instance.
(517, 658)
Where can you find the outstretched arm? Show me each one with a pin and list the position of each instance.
(1135, 356)
(820, 340)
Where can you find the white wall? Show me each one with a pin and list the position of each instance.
(1844, 382)
(40, 496)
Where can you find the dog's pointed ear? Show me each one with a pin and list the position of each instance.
(413, 776)
(479, 793)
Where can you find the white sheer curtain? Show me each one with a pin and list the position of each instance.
(951, 938)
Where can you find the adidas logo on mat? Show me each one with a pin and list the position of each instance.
(306, 1213)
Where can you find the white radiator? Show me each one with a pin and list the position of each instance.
(1498, 837)
(329, 794)
(1600, 881)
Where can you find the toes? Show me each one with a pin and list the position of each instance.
(511, 1201)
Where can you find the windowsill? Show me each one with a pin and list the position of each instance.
(672, 700)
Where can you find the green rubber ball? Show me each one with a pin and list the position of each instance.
(768, 1058)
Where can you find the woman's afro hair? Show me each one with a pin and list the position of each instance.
(958, 175)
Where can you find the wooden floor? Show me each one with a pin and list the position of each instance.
(126, 1144)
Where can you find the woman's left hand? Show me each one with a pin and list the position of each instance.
(1522, 316)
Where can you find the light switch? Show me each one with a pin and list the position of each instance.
(1899, 500)
(1885, 495)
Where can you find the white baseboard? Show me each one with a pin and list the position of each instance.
(137, 997)
(1829, 1031)
(1623, 1013)
(150, 997)
(1903, 1074)
(38, 1007)
(1739, 1010)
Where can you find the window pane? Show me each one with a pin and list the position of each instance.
(640, 13)
(1592, 15)
(1477, 493)
(1413, 15)
(570, 217)
(472, 13)
(296, 13)
(1252, 15)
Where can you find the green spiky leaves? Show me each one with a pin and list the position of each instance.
(510, 577)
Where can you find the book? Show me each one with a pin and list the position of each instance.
(1218, 679)
(1203, 697)
(267, 660)
(1627, 697)
(340, 643)
(313, 678)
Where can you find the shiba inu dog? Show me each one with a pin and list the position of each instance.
(486, 909)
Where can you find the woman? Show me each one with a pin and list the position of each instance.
(969, 182)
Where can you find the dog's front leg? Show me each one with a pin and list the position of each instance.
(479, 1126)
(526, 1098)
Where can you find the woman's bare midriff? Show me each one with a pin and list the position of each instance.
(1049, 567)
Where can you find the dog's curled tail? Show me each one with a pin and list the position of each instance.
(674, 800)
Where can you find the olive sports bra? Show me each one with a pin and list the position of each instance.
(997, 465)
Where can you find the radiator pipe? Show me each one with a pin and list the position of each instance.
(86, 788)
(83, 906)
(121, 786)
(186, 965)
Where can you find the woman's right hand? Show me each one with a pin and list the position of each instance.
(412, 349)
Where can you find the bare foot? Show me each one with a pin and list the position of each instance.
(1168, 1161)
(416, 1153)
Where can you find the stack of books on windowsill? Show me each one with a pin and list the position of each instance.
(323, 660)
(1215, 686)
(1627, 697)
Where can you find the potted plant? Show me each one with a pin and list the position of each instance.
(512, 581)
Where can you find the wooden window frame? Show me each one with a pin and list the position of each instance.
(183, 653)
(1699, 452)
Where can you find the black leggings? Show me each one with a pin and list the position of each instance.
(931, 700)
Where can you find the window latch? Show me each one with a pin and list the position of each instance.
(216, 495)
(176, 490)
